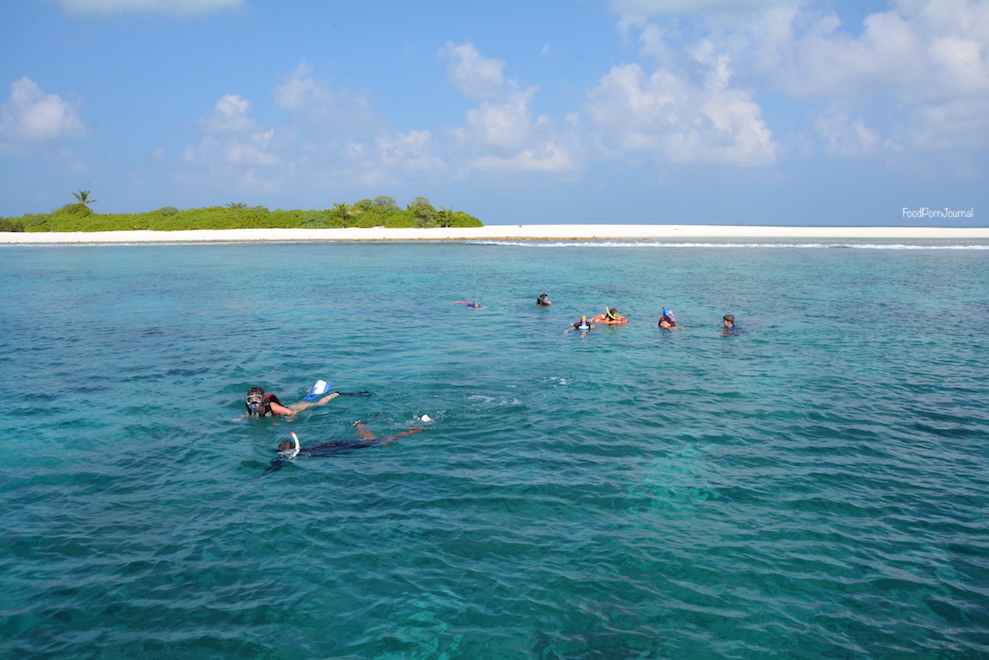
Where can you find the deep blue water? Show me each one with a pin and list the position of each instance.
(815, 487)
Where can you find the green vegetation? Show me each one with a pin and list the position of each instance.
(379, 212)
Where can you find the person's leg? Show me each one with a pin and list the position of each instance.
(365, 435)
(395, 437)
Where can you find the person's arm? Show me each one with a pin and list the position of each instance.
(302, 405)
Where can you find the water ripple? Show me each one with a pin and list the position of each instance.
(815, 487)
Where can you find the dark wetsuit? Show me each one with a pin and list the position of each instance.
(264, 410)
(327, 449)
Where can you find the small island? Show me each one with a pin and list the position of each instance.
(367, 213)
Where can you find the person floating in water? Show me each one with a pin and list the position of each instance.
(259, 404)
(728, 321)
(543, 300)
(610, 317)
(666, 319)
(582, 326)
(474, 304)
(365, 438)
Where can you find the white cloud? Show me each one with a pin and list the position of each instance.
(180, 7)
(545, 157)
(234, 152)
(31, 115)
(925, 63)
(244, 144)
(501, 133)
(505, 136)
(412, 151)
(500, 125)
(678, 121)
(229, 116)
(949, 127)
(251, 152)
(847, 136)
(315, 103)
(930, 56)
(475, 76)
(252, 184)
(645, 8)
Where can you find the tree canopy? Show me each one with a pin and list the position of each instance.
(379, 212)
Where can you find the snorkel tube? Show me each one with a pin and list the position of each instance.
(294, 452)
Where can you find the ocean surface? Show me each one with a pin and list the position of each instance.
(814, 487)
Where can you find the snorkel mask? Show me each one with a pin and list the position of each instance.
(255, 402)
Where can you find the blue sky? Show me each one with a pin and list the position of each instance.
(814, 112)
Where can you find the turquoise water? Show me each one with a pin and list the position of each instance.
(813, 488)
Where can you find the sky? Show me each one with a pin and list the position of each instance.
(735, 112)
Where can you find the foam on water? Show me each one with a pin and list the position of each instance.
(815, 487)
(741, 244)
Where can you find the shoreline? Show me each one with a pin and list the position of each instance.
(497, 232)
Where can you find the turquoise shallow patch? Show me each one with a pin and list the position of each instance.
(814, 487)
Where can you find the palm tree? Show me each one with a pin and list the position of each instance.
(83, 197)
(236, 205)
(445, 217)
(342, 209)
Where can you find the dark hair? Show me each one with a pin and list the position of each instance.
(728, 317)
(286, 444)
(255, 390)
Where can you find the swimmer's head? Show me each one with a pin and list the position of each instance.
(728, 318)
(255, 396)
(286, 445)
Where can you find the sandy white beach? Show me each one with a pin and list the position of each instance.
(501, 232)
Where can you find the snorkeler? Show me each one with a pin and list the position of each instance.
(610, 317)
(543, 300)
(728, 321)
(474, 304)
(666, 319)
(291, 449)
(582, 326)
(259, 404)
